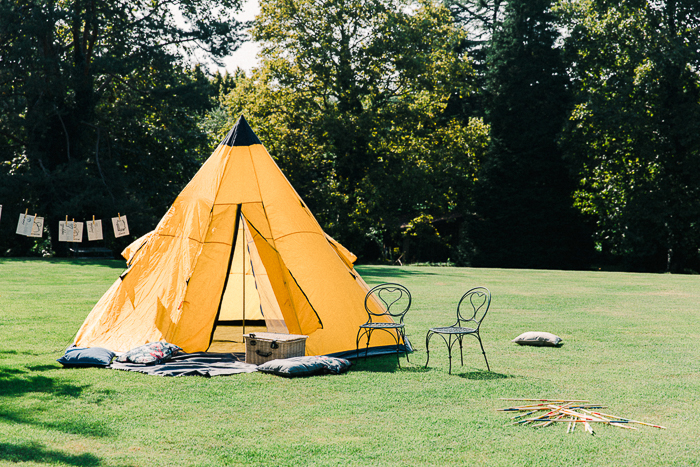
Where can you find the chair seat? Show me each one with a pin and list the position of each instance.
(453, 330)
(382, 325)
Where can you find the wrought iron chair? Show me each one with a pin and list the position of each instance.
(386, 306)
(471, 311)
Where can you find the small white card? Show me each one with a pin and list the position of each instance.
(24, 225)
(65, 231)
(0, 211)
(94, 229)
(37, 227)
(121, 227)
(77, 232)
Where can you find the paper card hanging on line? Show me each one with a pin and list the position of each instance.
(65, 231)
(121, 226)
(0, 211)
(77, 232)
(20, 225)
(24, 225)
(94, 229)
(37, 227)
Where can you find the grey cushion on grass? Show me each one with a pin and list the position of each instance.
(305, 366)
(94, 356)
(539, 339)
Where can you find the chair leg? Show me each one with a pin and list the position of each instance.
(427, 350)
(398, 340)
(461, 353)
(403, 339)
(369, 336)
(449, 355)
(483, 352)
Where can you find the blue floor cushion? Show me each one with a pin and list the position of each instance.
(81, 357)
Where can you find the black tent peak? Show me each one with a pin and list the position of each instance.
(241, 135)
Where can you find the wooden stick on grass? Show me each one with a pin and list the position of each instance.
(627, 420)
(544, 400)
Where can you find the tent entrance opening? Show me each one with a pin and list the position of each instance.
(228, 335)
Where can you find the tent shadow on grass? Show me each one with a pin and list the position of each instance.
(375, 364)
(387, 364)
(35, 452)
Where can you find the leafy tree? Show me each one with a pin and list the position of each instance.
(350, 99)
(524, 194)
(96, 115)
(633, 132)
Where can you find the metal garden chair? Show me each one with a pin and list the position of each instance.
(386, 306)
(471, 311)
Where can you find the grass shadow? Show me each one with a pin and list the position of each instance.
(376, 364)
(82, 428)
(15, 384)
(15, 387)
(6, 372)
(415, 369)
(100, 262)
(107, 263)
(14, 352)
(390, 272)
(38, 453)
(44, 367)
(482, 375)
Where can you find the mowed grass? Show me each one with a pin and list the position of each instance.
(631, 343)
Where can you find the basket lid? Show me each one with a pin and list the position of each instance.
(273, 336)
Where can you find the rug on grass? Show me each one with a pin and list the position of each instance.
(192, 364)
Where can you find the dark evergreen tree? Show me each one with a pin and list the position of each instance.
(525, 216)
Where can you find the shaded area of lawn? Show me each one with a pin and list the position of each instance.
(35, 452)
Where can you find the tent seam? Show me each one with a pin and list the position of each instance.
(257, 182)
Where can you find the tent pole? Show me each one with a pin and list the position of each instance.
(243, 242)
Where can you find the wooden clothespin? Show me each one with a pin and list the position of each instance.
(66, 219)
(119, 216)
(26, 211)
(93, 220)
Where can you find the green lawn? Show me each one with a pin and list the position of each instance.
(631, 343)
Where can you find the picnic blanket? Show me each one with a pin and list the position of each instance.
(192, 364)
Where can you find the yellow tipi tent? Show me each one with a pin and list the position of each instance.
(238, 242)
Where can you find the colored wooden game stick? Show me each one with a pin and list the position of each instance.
(627, 420)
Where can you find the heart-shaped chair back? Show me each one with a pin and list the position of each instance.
(474, 305)
(388, 299)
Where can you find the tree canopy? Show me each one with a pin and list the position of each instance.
(351, 99)
(98, 108)
(633, 132)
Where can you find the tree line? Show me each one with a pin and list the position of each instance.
(494, 133)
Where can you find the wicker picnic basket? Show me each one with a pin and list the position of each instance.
(261, 347)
